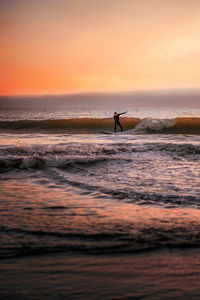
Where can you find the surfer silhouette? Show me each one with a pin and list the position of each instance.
(116, 120)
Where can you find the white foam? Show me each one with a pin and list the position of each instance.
(154, 125)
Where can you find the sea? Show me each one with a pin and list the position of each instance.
(92, 194)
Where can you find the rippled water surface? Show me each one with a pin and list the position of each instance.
(97, 193)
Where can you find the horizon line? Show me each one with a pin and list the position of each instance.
(103, 92)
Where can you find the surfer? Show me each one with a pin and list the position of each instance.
(116, 120)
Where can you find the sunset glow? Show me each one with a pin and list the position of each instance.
(65, 46)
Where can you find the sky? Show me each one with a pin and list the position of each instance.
(70, 46)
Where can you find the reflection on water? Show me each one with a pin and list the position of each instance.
(39, 215)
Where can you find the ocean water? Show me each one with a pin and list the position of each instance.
(94, 193)
(45, 112)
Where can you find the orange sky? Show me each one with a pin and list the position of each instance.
(50, 46)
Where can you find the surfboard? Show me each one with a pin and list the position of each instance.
(106, 132)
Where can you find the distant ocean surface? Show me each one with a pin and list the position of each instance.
(94, 193)
(55, 112)
(149, 104)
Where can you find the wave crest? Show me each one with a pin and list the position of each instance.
(76, 155)
(154, 125)
(94, 125)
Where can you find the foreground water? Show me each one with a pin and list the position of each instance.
(163, 274)
(98, 194)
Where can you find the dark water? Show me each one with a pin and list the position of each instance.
(163, 274)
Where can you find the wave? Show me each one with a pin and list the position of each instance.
(69, 149)
(78, 125)
(170, 126)
(166, 199)
(154, 125)
(70, 156)
(39, 163)
(143, 239)
(94, 125)
(83, 249)
(68, 235)
(59, 169)
(121, 248)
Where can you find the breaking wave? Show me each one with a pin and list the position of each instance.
(94, 125)
(41, 163)
(78, 125)
(74, 155)
(154, 125)
(176, 126)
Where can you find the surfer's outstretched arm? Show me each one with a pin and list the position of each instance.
(123, 113)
